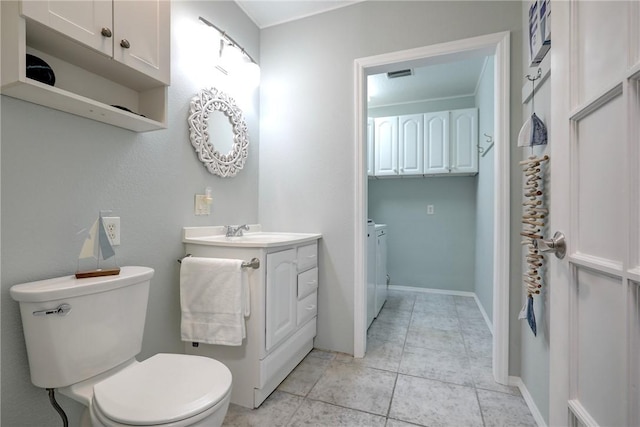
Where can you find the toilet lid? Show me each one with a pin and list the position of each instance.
(162, 389)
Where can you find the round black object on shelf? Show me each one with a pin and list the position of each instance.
(39, 70)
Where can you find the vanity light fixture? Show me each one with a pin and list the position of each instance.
(227, 40)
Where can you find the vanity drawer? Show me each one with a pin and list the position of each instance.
(307, 308)
(307, 282)
(307, 257)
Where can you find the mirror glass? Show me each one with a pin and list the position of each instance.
(218, 132)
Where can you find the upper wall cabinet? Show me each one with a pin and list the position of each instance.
(111, 59)
(444, 142)
(385, 137)
(464, 141)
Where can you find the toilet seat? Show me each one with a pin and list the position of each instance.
(164, 389)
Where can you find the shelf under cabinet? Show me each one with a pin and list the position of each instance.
(59, 99)
(88, 84)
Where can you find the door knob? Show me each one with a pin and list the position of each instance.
(556, 245)
(106, 32)
(125, 43)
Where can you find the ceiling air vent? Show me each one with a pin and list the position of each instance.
(400, 73)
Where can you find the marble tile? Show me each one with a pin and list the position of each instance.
(499, 409)
(277, 410)
(320, 414)
(479, 345)
(437, 365)
(446, 322)
(436, 339)
(355, 387)
(443, 299)
(394, 317)
(383, 355)
(397, 423)
(482, 372)
(302, 379)
(322, 354)
(387, 332)
(400, 302)
(462, 301)
(434, 403)
(468, 312)
(435, 307)
(474, 326)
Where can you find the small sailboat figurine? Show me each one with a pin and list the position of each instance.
(96, 246)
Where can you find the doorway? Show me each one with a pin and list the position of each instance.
(496, 45)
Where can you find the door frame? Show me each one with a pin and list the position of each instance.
(497, 44)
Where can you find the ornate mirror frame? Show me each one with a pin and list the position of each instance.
(202, 105)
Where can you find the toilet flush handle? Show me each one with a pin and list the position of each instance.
(61, 310)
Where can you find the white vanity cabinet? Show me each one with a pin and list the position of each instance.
(282, 323)
(104, 53)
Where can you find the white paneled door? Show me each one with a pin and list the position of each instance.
(595, 202)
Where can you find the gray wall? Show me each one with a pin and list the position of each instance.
(307, 149)
(427, 251)
(59, 170)
(483, 275)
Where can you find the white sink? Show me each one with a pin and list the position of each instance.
(254, 238)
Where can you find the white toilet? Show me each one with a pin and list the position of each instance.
(82, 336)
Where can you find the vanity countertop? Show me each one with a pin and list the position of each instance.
(253, 238)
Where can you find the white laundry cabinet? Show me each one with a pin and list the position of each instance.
(282, 324)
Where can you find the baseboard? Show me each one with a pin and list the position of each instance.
(487, 319)
(537, 416)
(448, 292)
(431, 291)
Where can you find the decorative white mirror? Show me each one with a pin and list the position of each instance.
(218, 132)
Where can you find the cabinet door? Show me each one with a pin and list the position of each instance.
(436, 142)
(370, 150)
(410, 144)
(145, 27)
(464, 141)
(386, 146)
(282, 287)
(81, 21)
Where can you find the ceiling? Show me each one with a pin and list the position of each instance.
(266, 13)
(449, 80)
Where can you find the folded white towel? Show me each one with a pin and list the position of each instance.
(214, 297)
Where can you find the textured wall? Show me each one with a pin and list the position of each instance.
(59, 170)
(485, 194)
(307, 149)
(428, 251)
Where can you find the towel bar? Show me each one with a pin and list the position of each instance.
(254, 263)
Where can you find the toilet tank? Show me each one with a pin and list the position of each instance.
(102, 329)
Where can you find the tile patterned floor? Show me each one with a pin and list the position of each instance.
(428, 363)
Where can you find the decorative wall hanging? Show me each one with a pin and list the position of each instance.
(534, 210)
(211, 153)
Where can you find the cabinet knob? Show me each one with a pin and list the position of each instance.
(106, 32)
(125, 43)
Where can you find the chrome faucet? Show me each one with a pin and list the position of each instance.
(236, 230)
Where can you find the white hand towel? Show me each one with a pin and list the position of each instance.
(214, 297)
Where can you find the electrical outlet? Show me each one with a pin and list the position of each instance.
(430, 210)
(112, 227)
